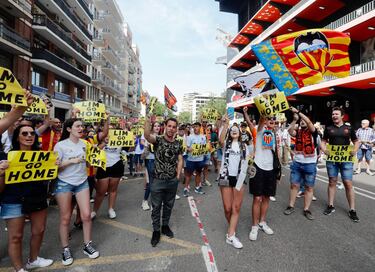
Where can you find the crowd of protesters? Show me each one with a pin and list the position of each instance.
(246, 153)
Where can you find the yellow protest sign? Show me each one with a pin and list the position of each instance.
(151, 106)
(271, 104)
(138, 130)
(96, 157)
(280, 117)
(2, 114)
(159, 119)
(199, 150)
(210, 114)
(90, 111)
(340, 153)
(114, 120)
(120, 138)
(182, 142)
(11, 92)
(26, 166)
(37, 107)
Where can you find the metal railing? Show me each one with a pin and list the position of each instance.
(12, 36)
(98, 37)
(44, 54)
(43, 20)
(26, 6)
(62, 97)
(98, 77)
(38, 90)
(352, 15)
(68, 11)
(86, 8)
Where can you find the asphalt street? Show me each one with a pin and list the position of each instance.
(328, 243)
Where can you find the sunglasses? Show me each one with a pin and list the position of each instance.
(271, 118)
(27, 133)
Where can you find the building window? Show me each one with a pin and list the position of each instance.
(37, 79)
(61, 87)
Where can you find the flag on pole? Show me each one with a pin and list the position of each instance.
(302, 58)
(170, 99)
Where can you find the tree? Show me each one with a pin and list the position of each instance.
(217, 103)
(160, 109)
(184, 117)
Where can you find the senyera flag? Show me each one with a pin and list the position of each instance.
(302, 58)
(170, 99)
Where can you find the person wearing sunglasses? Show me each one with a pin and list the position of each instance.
(27, 198)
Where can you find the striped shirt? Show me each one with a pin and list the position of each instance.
(366, 135)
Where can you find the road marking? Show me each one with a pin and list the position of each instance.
(148, 233)
(108, 260)
(208, 255)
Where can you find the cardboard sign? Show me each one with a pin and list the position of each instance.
(340, 153)
(90, 111)
(96, 157)
(138, 130)
(11, 92)
(210, 115)
(26, 166)
(37, 107)
(269, 105)
(151, 106)
(120, 138)
(182, 142)
(199, 150)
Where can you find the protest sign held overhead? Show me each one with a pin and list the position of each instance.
(199, 149)
(26, 166)
(138, 130)
(90, 111)
(280, 117)
(120, 138)
(271, 104)
(114, 120)
(96, 157)
(210, 114)
(11, 92)
(340, 153)
(151, 105)
(37, 107)
(302, 58)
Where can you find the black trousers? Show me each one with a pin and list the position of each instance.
(163, 193)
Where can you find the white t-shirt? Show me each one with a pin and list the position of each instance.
(263, 154)
(195, 139)
(112, 155)
(6, 141)
(74, 174)
(138, 149)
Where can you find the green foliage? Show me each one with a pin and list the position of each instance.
(160, 108)
(215, 103)
(184, 117)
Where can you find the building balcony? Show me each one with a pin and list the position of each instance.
(110, 55)
(132, 69)
(38, 90)
(111, 71)
(52, 32)
(99, 20)
(17, 8)
(98, 40)
(12, 42)
(112, 88)
(59, 66)
(131, 81)
(98, 60)
(66, 16)
(82, 9)
(62, 97)
(113, 39)
(98, 79)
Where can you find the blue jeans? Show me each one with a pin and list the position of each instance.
(150, 164)
(345, 169)
(10, 211)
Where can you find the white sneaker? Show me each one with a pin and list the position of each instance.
(263, 226)
(39, 263)
(145, 205)
(93, 215)
(177, 197)
(368, 172)
(253, 235)
(340, 186)
(358, 171)
(111, 214)
(233, 240)
(272, 198)
(22, 270)
(314, 198)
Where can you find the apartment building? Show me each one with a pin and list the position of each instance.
(259, 20)
(193, 102)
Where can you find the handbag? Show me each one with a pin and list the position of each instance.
(33, 203)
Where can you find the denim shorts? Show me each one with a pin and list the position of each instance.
(345, 169)
(367, 153)
(303, 173)
(207, 159)
(10, 211)
(219, 154)
(137, 159)
(63, 187)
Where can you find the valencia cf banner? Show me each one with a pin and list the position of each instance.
(302, 58)
(170, 99)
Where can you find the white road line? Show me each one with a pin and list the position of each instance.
(208, 255)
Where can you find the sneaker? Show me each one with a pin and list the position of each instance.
(267, 230)
(368, 172)
(78, 225)
(145, 205)
(111, 214)
(358, 171)
(308, 214)
(340, 186)
(38, 263)
(67, 257)
(198, 190)
(22, 270)
(233, 240)
(206, 183)
(329, 210)
(90, 251)
(93, 215)
(289, 210)
(300, 194)
(272, 198)
(253, 235)
(92, 200)
(353, 216)
(186, 192)
(314, 198)
(165, 230)
(155, 238)
(177, 197)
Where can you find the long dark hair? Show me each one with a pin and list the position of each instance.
(68, 124)
(229, 141)
(16, 143)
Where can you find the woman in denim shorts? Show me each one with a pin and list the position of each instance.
(72, 179)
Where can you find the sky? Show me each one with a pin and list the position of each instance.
(177, 43)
